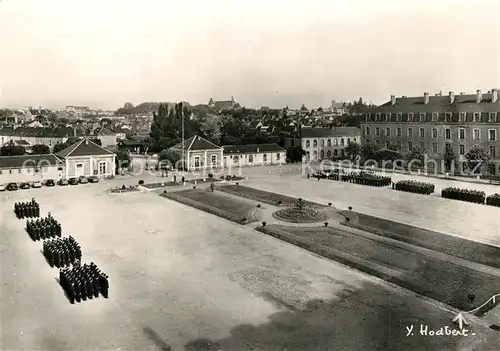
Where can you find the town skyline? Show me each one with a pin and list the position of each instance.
(103, 54)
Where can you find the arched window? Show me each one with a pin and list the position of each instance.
(336, 142)
(348, 141)
(322, 154)
(278, 156)
(342, 142)
(315, 143)
(322, 143)
(335, 152)
(265, 157)
(308, 143)
(213, 158)
(315, 155)
(328, 154)
(236, 159)
(308, 155)
(250, 159)
(329, 143)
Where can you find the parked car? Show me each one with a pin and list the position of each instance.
(93, 179)
(2, 187)
(83, 180)
(36, 184)
(62, 182)
(50, 182)
(12, 186)
(73, 181)
(25, 186)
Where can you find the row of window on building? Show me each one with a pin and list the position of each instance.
(434, 147)
(328, 142)
(27, 170)
(409, 117)
(236, 159)
(476, 133)
(322, 154)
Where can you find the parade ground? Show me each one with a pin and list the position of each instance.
(183, 279)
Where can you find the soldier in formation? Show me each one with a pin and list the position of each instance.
(82, 283)
(29, 209)
(62, 252)
(44, 228)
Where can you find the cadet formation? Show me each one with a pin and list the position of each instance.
(62, 252)
(44, 228)
(29, 209)
(82, 283)
(79, 282)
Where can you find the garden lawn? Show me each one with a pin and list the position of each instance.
(429, 276)
(263, 196)
(223, 205)
(448, 244)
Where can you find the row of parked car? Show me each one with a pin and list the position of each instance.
(49, 183)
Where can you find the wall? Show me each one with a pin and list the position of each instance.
(28, 174)
(201, 154)
(244, 160)
(108, 140)
(335, 147)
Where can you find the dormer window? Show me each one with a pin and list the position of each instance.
(421, 117)
(367, 117)
(435, 117)
(399, 116)
(410, 117)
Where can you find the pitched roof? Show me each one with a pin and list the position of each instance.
(252, 148)
(441, 104)
(40, 132)
(84, 147)
(330, 132)
(28, 161)
(196, 143)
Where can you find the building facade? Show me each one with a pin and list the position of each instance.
(430, 123)
(253, 155)
(86, 158)
(199, 153)
(29, 168)
(37, 135)
(325, 143)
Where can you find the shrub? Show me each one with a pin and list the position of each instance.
(493, 200)
(222, 177)
(210, 175)
(264, 223)
(279, 203)
(141, 182)
(330, 204)
(474, 196)
(326, 224)
(413, 186)
(194, 186)
(124, 187)
(237, 183)
(258, 205)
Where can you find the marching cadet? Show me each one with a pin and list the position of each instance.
(84, 288)
(78, 290)
(104, 285)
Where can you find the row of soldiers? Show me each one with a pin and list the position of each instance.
(83, 282)
(62, 252)
(28, 209)
(44, 228)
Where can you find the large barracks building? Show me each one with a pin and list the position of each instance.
(427, 123)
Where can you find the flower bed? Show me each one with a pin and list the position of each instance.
(306, 215)
(493, 200)
(413, 186)
(123, 189)
(474, 196)
(203, 180)
(231, 177)
(160, 185)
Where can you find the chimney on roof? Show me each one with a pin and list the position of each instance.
(393, 100)
(426, 98)
(494, 95)
(479, 96)
(452, 97)
(86, 141)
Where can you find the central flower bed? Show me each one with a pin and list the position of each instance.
(295, 215)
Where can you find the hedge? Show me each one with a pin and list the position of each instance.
(413, 186)
(493, 200)
(474, 196)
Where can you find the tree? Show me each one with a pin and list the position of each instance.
(12, 150)
(295, 154)
(416, 158)
(352, 150)
(122, 160)
(40, 149)
(105, 122)
(63, 120)
(128, 105)
(449, 158)
(210, 128)
(59, 147)
(368, 151)
(477, 159)
(169, 157)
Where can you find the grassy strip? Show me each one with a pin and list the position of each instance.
(451, 245)
(264, 196)
(429, 277)
(250, 217)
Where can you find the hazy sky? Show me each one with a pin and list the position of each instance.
(104, 53)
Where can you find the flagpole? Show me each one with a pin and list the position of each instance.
(183, 152)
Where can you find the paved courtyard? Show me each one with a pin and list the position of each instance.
(178, 275)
